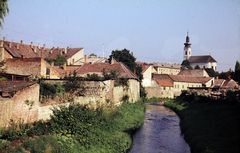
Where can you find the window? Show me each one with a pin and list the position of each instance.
(177, 86)
(182, 86)
(164, 88)
(185, 52)
(192, 85)
(212, 67)
(204, 67)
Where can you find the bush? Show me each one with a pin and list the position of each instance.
(4, 143)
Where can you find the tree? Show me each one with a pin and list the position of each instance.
(74, 85)
(236, 76)
(59, 60)
(2, 71)
(125, 57)
(211, 72)
(130, 61)
(186, 64)
(92, 54)
(197, 67)
(3, 11)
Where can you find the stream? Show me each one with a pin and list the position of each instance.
(160, 132)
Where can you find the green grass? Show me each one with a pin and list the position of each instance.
(208, 127)
(81, 129)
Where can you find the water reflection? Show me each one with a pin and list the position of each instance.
(160, 132)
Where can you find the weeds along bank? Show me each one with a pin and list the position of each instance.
(80, 129)
(208, 127)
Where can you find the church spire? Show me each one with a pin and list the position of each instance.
(187, 48)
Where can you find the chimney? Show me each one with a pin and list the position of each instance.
(4, 38)
(52, 64)
(65, 50)
(57, 47)
(35, 49)
(21, 42)
(22, 56)
(134, 71)
(17, 46)
(53, 48)
(67, 47)
(64, 66)
(85, 58)
(43, 46)
(10, 45)
(38, 46)
(31, 44)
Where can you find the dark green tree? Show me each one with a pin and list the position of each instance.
(236, 76)
(94, 77)
(197, 67)
(3, 11)
(59, 60)
(74, 85)
(124, 56)
(92, 54)
(130, 61)
(211, 72)
(186, 64)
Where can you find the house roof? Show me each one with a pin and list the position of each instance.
(167, 65)
(144, 68)
(164, 83)
(91, 59)
(182, 78)
(97, 68)
(12, 86)
(204, 80)
(194, 72)
(201, 59)
(18, 49)
(229, 84)
(218, 83)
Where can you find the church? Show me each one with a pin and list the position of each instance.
(203, 61)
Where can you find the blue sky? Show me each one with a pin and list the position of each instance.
(154, 30)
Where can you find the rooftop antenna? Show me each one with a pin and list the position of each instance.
(103, 50)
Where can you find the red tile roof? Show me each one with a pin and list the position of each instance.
(144, 68)
(204, 80)
(97, 68)
(165, 83)
(218, 83)
(201, 59)
(18, 49)
(194, 72)
(229, 84)
(182, 78)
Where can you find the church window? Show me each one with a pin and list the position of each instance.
(212, 67)
(186, 53)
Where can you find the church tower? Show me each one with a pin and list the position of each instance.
(187, 48)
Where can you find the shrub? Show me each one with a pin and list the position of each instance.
(4, 143)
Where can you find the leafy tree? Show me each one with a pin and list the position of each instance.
(93, 76)
(2, 71)
(114, 74)
(92, 54)
(197, 67)
(74, 85)
(211, 72)
(223, 75)
(124, 56)
(59, 60)
(3, 11)
(130, 61)
(186, 64)
(236, 76)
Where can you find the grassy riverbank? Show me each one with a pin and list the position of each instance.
(208, 127)
(81, 129)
